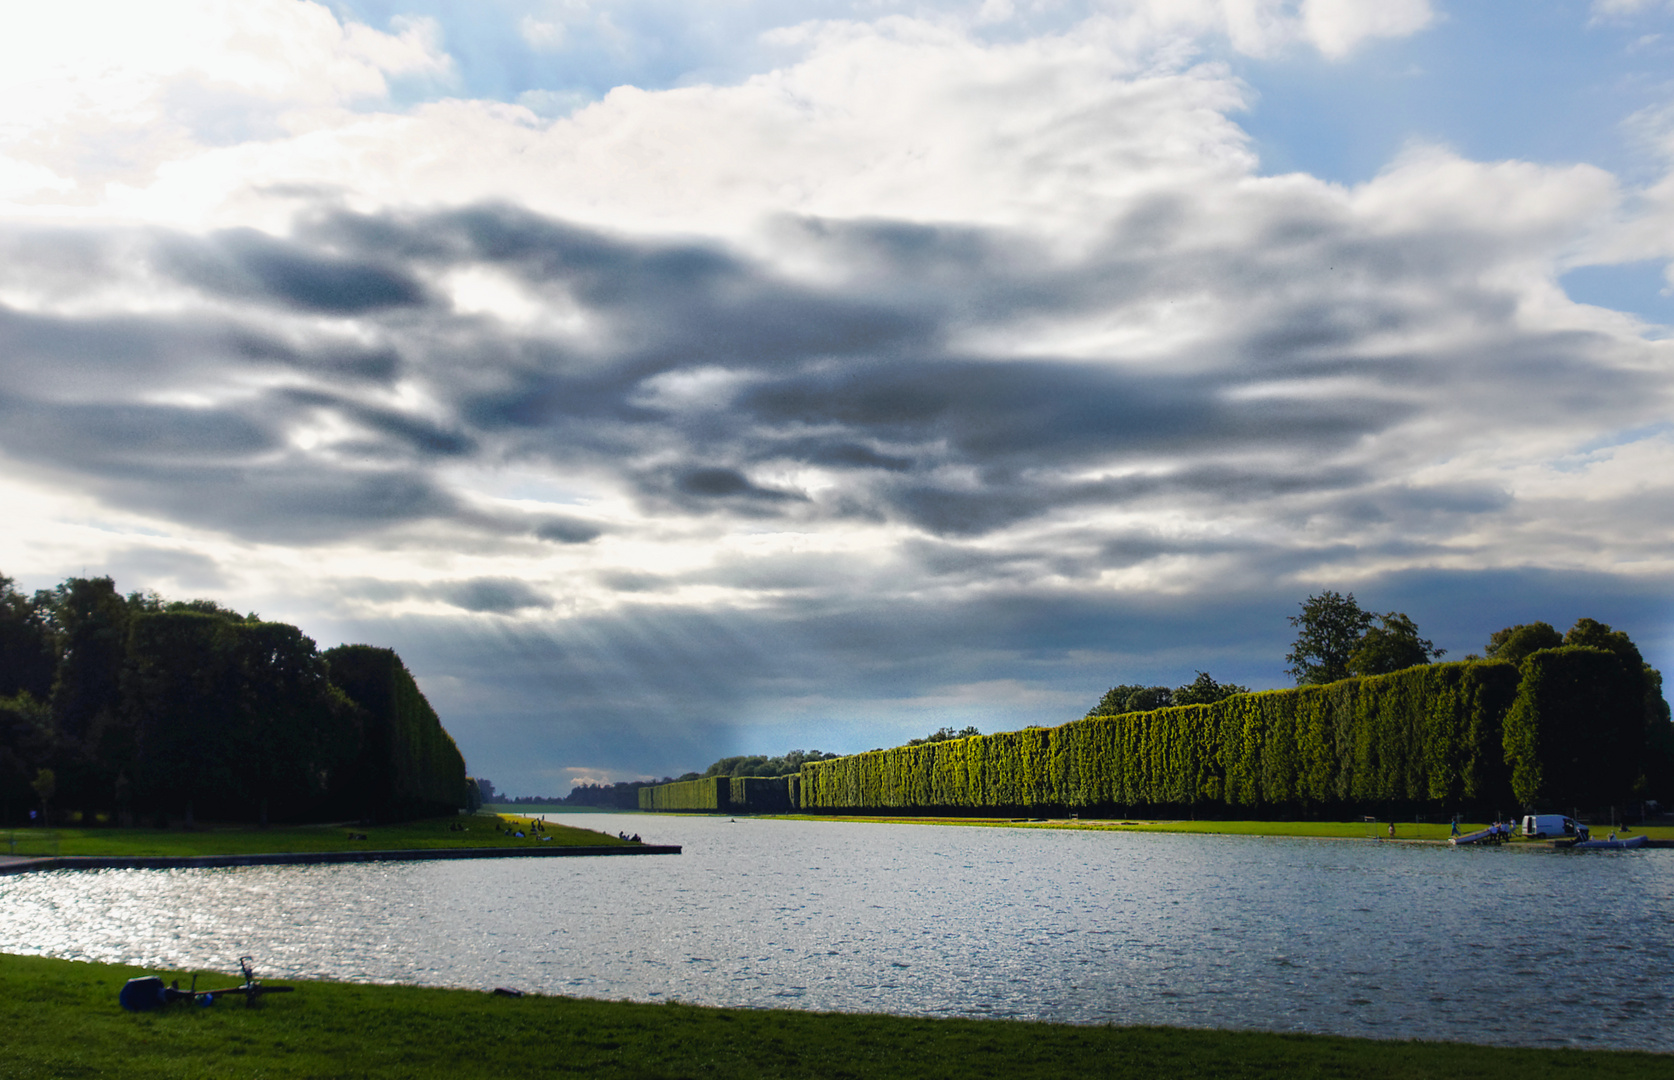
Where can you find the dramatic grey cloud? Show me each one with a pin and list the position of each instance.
(948, 371)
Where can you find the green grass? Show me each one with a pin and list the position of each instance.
(480, 830)
(1352, 830)
(60, 1019)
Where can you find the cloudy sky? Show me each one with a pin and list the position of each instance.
(667, 380)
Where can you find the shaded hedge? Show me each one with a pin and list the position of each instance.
(236, 720)
(724, 794)
(1429, 734)
(1576, 735)
(408, 765)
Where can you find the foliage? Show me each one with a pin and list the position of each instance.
(239, 717)
(25, 742)
(1205, 691)
(408, 764)
(943, 734)
(710, 793)
(1329, 631)
(1393, 645)
(1576, 734)
(725, 794)
(1131, 697)
(1515, 642)
(622, 795)
(1427, 735)
(187, 707)
(27, 656)
(762, 765)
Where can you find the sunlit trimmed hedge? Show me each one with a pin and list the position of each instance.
(1427, 734)
(710, 793)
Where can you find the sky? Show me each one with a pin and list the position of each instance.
(666, 380)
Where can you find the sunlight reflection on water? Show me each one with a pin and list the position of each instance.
(1348, 937)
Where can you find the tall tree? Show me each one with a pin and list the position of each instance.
(1204, 690)
(1329, 630)
(26, 654)
(91, 620)
(1515, 642)
(1393, 645)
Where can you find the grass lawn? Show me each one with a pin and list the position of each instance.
(1353, 830)
(61, 1020)
(479, 830)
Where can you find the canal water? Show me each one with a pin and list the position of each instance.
(1514, 947)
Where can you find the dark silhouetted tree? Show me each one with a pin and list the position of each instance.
(27, 659)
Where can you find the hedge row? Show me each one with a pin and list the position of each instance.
(1426, 734)
(712, 793)
(1568, 727)
(408, 766)
(1578, 731)
(723, 794)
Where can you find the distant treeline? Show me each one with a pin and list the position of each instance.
(1565, 721)
(146, 710)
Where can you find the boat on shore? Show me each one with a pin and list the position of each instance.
(1612, 844)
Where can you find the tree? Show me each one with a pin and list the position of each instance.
(1392, 646)
(26, 654)
(46, 786)
(1515, 642)
(1330, 628)
(1204, 690)
(1132, 697)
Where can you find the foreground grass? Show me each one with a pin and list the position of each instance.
(479, 830)
(1350, 830)
(61, 1020)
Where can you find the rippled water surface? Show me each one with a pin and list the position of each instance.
(1350, 937)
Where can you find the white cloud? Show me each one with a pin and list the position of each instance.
(917, 324)
(94, 91)
(1337, 27)
(539, 33)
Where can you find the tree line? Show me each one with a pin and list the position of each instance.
(136, 708)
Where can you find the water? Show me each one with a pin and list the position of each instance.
(1517, 947)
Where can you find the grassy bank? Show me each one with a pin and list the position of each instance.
(1437, 832)
(61, 1020)
(477, 830)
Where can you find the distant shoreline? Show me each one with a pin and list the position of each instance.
(1405, 832)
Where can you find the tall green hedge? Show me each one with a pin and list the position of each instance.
(409, 765)
(231, 719)
(1425, 735)
(1576, 735)
(711, 793)
(724, 794)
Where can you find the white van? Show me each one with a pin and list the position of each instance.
(1552, 827)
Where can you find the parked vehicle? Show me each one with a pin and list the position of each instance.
(1553, 827)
